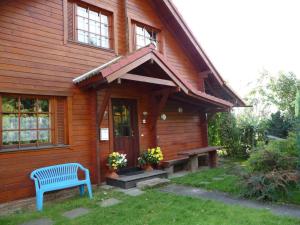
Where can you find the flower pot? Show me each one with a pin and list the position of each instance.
(148, 168)
(112, 173)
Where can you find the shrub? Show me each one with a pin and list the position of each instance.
(269, 186)
(267, 160)
(288, 146)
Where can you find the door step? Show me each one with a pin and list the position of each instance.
(151, 183)
(126, 182)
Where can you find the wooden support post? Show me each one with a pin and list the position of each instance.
(212, 159)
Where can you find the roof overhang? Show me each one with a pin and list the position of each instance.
(120, 67)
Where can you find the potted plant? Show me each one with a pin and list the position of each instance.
(116, 160)
(150, 157)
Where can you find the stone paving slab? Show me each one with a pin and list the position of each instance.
(43, 221)
(131, 192)
(282, 210)
(107, 187)
(152, 183)
(109, 202)
(74, 213)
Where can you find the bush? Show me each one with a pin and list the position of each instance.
(267, 160)
(269, 186)
(288, 146)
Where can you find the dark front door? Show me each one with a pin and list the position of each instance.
(125, 129)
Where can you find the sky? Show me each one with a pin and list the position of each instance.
(242, 38)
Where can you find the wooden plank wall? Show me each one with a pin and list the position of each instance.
(180, 131)
(34, 58)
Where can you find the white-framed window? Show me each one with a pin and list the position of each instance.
(93, 27)
(144, 35)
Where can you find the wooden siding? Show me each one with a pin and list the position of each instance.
(34, 58)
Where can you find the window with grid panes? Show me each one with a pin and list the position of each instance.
(145, 35)
(92, 27)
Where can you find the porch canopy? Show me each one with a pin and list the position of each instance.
(149, 66)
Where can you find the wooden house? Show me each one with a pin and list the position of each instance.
(82, 78)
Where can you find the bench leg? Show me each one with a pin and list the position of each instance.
(89, 187)
(212, 159)
(170, 169)
(39, 200)
(193, 163)
(81, 190)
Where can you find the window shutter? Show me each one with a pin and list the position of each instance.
(61, 120)
(71, 25)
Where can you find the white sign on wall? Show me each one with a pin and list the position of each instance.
(104, 134)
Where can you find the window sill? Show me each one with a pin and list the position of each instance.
(31, 148)
(91, 46)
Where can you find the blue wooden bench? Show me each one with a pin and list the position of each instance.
(59, 177)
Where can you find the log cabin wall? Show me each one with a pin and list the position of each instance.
(34, 58)
(181, 130)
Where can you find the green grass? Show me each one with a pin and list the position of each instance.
(231, 172)
(230, 183)
(153, 207)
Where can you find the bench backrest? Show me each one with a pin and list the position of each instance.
(56, 174)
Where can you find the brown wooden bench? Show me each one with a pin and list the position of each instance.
(168, 165)
(193, 155)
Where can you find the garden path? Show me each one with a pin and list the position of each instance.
(282, 210)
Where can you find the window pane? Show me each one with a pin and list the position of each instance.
(94, 16)
(139, 30)
(28, 121)
(10, 121)
(82, 12)
(94, 27)
(104, 42)
(28, 137)
(147, 41)
(9, 104)
(148, 33)
(83, 36)
(44, 121)
(27, 105)
(140, 41)
(104, 30)
(44, 136)
(94, 39)
(82, 23)
(104, 19)
(10, 137)
(43, 105)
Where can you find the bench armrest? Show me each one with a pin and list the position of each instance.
(85, 170)
(36, 181)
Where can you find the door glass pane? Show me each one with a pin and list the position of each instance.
(44, 121)
(28, 137)
(44, 136)
(9, 104)
(10, 121)
(10, 137)
(121, 119)
(28, 121)
(27, 105)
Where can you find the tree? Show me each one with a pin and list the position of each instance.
(278, 125)
(275, 93)
(297, 115)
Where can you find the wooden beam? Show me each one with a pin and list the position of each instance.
(150, 80)
(103, 106)
(205, 74)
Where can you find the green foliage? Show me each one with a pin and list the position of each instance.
(288, 145)
(278, 92)
(266, 160)
(278, 125)
(297, 126)
(270, 185)
(237, 137)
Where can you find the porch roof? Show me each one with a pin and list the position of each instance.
(119, 66)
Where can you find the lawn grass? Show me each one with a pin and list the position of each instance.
(153, 207)
(231, 174)
(229, 181)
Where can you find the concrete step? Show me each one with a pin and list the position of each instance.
(152, 183)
